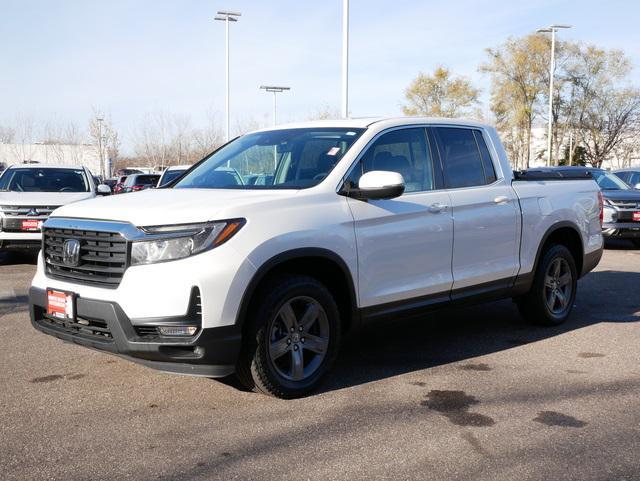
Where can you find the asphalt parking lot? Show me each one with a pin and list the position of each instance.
(471, 393)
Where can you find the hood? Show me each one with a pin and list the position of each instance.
(171, 206)
(42, 198)
(622, 195)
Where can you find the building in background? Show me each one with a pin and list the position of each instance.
(58, 154)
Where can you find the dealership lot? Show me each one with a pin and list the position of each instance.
(470, 393)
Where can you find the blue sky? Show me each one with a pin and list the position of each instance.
(129, 58)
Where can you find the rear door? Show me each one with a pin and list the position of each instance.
(404, 244)
(485, 211)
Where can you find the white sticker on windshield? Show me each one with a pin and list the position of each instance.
(350, 133)
(333, 151)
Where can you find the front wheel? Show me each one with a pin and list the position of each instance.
(550, 300)
(292, 338)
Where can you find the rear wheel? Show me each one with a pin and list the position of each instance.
(292, 338)
(550, 300)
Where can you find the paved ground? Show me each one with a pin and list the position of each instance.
(471, 394)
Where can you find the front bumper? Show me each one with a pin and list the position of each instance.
(625, 230)
(211, 353)
(20, 240)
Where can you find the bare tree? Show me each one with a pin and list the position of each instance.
(7, 134)
(607, 110)
(325, 112)
(24, 138)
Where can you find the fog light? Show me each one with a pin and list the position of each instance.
(177, 330)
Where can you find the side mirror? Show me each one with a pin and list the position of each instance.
(104, 189)
(379, 184)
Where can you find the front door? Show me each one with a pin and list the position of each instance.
(404, 244)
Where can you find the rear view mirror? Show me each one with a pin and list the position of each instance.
(103, 189)
(379, 184)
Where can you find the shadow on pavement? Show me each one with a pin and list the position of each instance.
(620, 245)
(456, 334)
(14, 258)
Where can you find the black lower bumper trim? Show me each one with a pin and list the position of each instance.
(20, 244)
(212, 352)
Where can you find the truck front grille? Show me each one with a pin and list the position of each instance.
(27, 210)
(14, 215)
(625, 204)
(102, 261)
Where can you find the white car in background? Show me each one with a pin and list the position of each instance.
(171, 173)
(30, 192)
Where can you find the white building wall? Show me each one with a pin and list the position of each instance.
(59, 154)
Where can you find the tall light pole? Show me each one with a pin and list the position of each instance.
(275, 90)
(552, 67)
(345, 59)
(100, 120)
(227, 17)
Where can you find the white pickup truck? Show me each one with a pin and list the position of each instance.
(359, 220)
(30, 192)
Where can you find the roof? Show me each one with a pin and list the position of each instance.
(44, 166)
(365, 122)
(628, 169)
(178, 167)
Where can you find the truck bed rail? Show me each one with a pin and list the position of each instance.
(550, 174)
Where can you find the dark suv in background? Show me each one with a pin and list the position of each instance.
(621, 204)
(630, 175)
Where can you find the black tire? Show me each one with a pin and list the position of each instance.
(256, 368)
(534, 306)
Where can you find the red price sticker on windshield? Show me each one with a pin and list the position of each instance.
(636, 216)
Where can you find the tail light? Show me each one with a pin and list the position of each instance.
(601, 205)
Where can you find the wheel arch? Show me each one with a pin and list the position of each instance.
(565, 233)
(323, 264)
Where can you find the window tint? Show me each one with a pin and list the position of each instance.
(404, 151)
(487, 163)
(460, 157)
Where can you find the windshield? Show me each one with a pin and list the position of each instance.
(44, 180)
(170, 175)
(150, 179)
(276, 159)
(608, 181)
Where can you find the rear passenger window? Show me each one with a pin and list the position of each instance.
(487, 163)
(463, 166)
(404, 151)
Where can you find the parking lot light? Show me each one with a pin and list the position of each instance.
(227, 17)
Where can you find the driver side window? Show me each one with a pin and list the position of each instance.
(404, 151)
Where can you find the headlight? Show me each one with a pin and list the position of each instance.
(177, 242)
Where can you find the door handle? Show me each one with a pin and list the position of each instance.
(437, 207)
(501, 199)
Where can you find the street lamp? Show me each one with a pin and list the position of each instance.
(275, 90)
(227, 17)
(345, 58)
(100, 120)
(552, 66)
